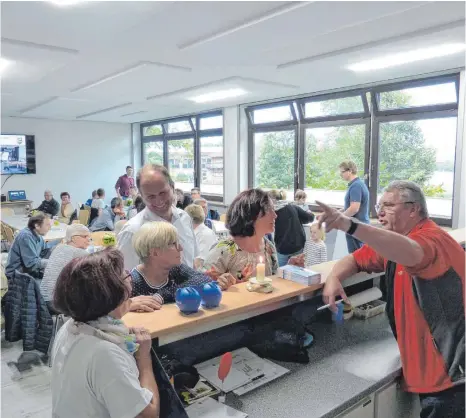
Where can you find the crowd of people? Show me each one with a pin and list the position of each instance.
(168, 241)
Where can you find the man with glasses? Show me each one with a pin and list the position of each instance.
(356, 200)
(425, 273)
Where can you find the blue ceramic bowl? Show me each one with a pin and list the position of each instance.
(188, 300)
(211, 295)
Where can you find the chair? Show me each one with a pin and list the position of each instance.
(223, 217)
(7, 212)
(84, 216)
(7, 233)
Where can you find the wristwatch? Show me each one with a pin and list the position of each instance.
(352, 228)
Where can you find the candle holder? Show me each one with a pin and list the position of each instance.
(260, 285)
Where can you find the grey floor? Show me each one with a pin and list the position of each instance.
(25, 395)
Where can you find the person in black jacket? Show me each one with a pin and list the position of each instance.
(289, 232)
(49, 205)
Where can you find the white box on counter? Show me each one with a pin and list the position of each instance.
(299, 275)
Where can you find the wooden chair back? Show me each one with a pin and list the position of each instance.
(223, 217)
(84, 216)
(7, 233)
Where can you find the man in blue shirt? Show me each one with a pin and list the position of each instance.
(107, 219)
(356, 200)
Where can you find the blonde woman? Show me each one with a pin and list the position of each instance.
(161, 273)
(205, 237)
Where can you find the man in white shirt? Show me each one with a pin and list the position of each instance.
(205, 237)
(157, 191)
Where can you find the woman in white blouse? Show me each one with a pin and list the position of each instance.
(205, 237)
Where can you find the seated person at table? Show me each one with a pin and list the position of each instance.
(249, 218)
(98, 201)
(25, 252)
(100, 367)
(205, 237)
(203, 204)
(161, 273)
(66, 209)
(49, 205)
(106, 220)
(77, 239)
(138, 206)
(89, 201)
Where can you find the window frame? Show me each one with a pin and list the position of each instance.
(194, 133)
(372, 116)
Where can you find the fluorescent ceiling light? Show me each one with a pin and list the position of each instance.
(4, 64)
(218, 95)
(65, 3)
(408, 57)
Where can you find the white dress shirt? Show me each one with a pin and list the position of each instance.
(206, 239)
(180, 220)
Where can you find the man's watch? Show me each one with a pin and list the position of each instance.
(352, 228)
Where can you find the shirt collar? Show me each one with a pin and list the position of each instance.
(352, 181)
(176, 215)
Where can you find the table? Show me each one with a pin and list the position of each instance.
(18, 222)
(220, 229)
(18, 206)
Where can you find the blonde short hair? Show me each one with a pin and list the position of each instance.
(196, 212)
(154, 235)
(321, 230)
(349, 166)
(275, 194)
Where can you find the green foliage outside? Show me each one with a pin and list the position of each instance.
(403, 153)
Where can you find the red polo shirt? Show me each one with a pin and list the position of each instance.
(123, 184)
(424, 369)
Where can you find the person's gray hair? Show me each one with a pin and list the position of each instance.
(76, 229)
(410, 192)
(196, 213)
(199, 201)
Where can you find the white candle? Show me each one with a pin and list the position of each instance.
(260, 271)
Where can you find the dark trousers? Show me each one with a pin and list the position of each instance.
(446, 404)
(353, 244)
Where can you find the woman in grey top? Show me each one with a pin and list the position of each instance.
(76, 241)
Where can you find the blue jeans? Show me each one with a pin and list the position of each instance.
(445, 404)
(353, 244)
(283, 258)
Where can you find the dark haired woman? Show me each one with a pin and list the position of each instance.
(66, 209)
(100, 367)
(250, 218)
(25, 252)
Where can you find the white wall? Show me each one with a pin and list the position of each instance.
(75, 156)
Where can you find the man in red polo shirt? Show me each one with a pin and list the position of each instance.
(424, 272)
(125, 183)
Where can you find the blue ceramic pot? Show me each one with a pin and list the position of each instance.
(188, 300)
(211, 295)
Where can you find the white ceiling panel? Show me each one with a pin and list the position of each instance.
(102, 60)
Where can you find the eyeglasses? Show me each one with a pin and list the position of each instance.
(389, 207)
(83, 236)
(127, 275)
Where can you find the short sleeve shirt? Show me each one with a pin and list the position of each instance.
(94, 378)
(358, 192)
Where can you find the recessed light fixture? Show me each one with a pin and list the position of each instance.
(403, 58)
(218, 95)
(4, 64)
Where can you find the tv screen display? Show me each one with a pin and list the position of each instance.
(18, 154)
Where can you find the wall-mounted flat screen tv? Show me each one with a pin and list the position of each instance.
(18, 154)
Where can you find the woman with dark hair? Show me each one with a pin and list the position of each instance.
(100, 367)
(250, 217)
(25, 252)
(66, 209)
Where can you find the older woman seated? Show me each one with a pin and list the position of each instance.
(161, 273)
(77, 239)
(249, 218)
(100, 367)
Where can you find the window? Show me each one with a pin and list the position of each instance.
(153, 152)
(325, 149)
(422, 151)
(333, 107)
(193, 157)
(152, 130)
(212, 164)
(418, 96)
(177, 127)
(272, 114)
(274, 160)
(180, 153)
(404, 131)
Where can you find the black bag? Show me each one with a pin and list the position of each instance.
(279, 338)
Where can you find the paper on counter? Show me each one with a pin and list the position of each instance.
(210, 408)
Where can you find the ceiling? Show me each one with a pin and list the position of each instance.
(136, 61)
